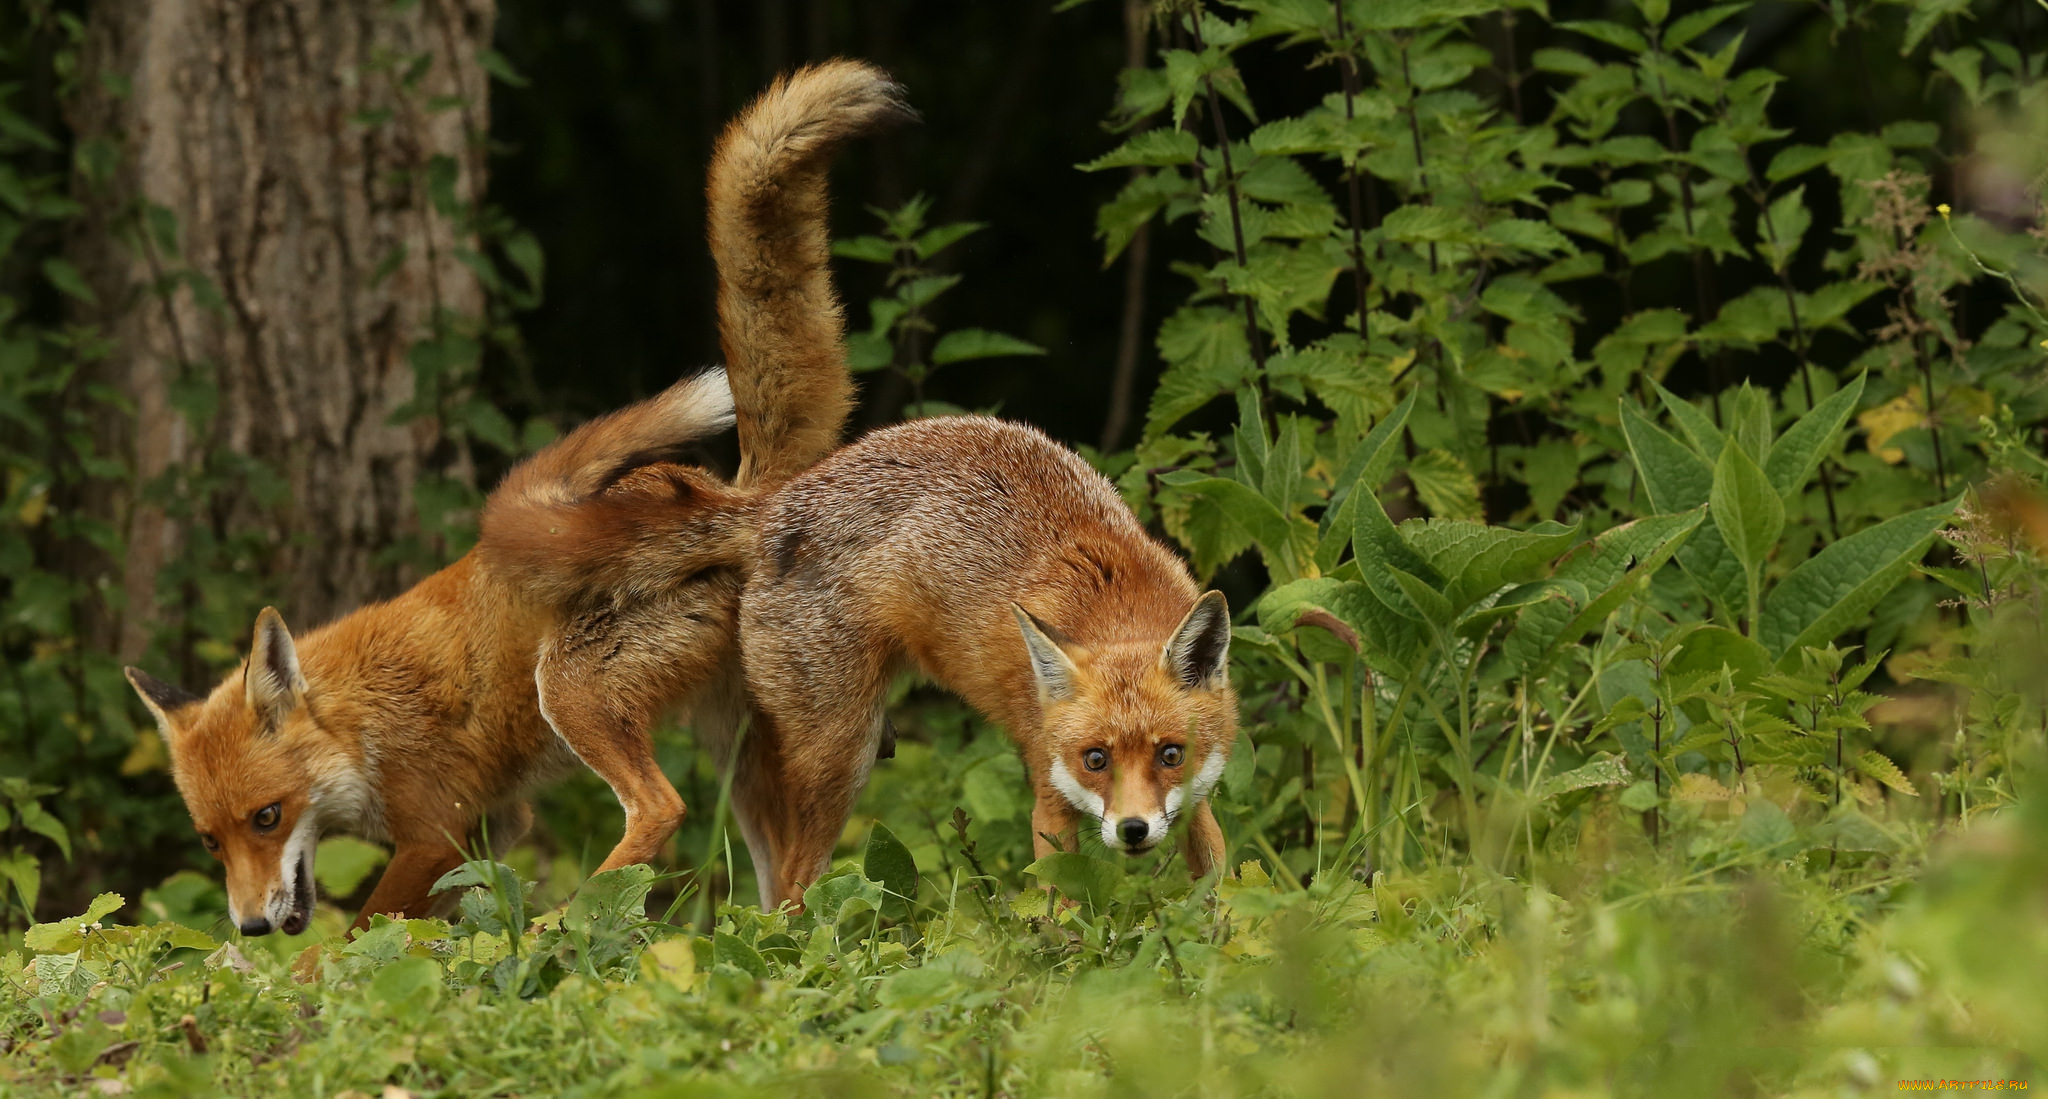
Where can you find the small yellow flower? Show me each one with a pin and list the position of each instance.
(1942, 209)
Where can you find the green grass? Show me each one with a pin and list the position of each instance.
(1743, 955)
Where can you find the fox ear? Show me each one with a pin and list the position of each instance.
(163, 699)
(274, 685)
(1198, 654)
(1050, 664)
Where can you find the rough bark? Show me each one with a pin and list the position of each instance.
(279, 136)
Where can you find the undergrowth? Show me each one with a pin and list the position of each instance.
(1631, 508)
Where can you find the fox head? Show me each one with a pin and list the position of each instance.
(249, 774)
(1136, 732)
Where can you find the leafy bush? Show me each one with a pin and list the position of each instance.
(1631, 503)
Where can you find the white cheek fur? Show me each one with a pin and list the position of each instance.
(1077, 795)
(1211, 773)
(297, 859)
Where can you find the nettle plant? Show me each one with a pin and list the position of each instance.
(901, 336)
(1410, 297)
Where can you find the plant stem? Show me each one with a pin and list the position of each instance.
(1933, 420)
(1251, 319)
(1415, 132)
(1701, 273)
(1799, 345)
(1348, 66)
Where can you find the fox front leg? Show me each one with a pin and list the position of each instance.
(1053, 824)
(1203, 848)
(407, 884)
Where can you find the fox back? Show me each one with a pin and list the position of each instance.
(1005, 568)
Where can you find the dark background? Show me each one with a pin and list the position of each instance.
(602, 156)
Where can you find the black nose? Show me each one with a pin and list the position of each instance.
(257, 926)
(1132, 831)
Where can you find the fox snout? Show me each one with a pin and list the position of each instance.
(285, 904)
(1134, 835)
(270, 884)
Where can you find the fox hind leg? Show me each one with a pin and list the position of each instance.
(795, 787)
(818, 684)
(600, 715)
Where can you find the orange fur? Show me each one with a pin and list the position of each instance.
(1003, 567)
(605, 586)
(771, 240)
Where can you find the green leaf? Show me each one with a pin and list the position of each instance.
(1712, 648)
(1614, 34)
(1525, 236)
(1799, 452)
(22, 869)
(1388, 640)
(1925, 14)
(1481, 559)
(1880, 767)
(1698, 426)
(38, 820)
(1364, 468)
(1119, 219)
(608, 896)
(887, 861)
(867, 352)
(939, 238)
(1688, 27)
(729, 949)
(1793, 160)
(493, 62)
(1242, 503)
(868, 249)
(1434, 607)
(979, 343)
(1443, 484)
(1828, 594)
(341, 863)
(406, 989)
(1417, 224)
(842, 896)
(1747, 510)
(65, 936)
(1381, 552)
(1676, 477)
(1206, 356)
(1756, 317)
(920, 292)
(1782, 227)
(1641, 797)
(1603, 771)
(1083, 878)
(1156, 148)
(1597, 578)
(1965, 67)
(65, 277)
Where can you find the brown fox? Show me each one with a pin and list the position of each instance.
(1002, 566)
(409, 721)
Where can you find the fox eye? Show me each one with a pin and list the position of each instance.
(207, 841)
(1095, 759)
(1170, 756)
(266, 817)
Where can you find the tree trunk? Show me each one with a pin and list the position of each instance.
(262, 241)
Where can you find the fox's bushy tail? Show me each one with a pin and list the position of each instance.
(779, 321)
(609, 505)
(612, 507)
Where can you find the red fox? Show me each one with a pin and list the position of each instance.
(411, 721)
(1002, 566)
